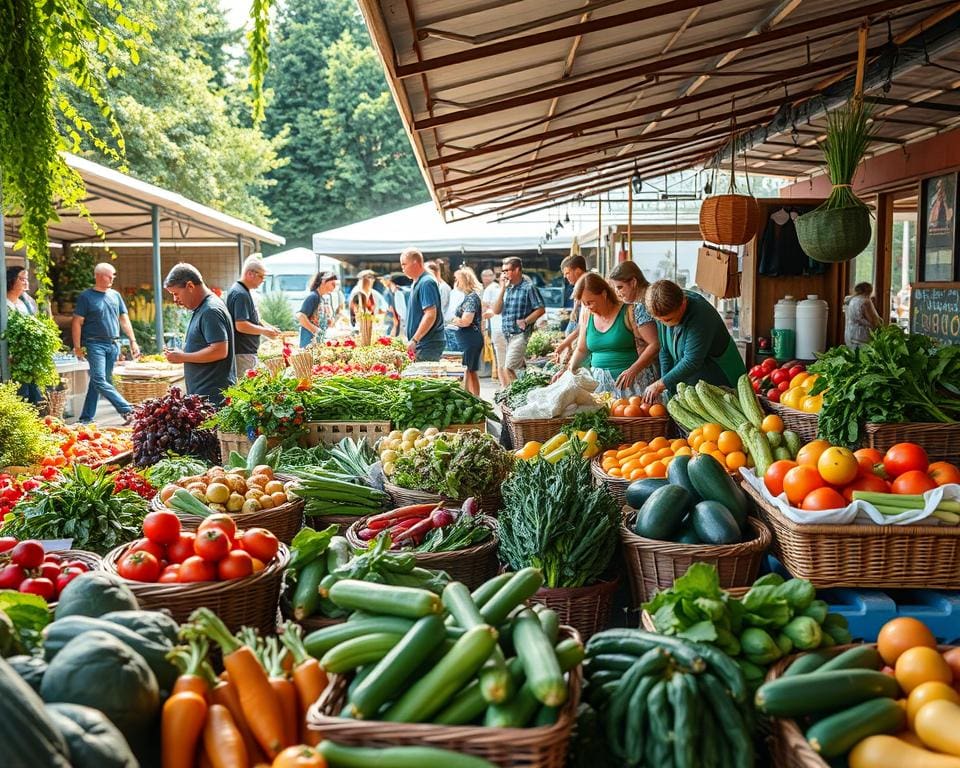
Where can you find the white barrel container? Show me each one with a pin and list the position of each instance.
(811, 327)
(785, 314)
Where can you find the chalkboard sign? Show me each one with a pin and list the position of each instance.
(935, 311)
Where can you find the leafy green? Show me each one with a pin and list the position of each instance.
(896, 377)
(172, 469)
(599, 420)
(33, 339)
(309, 544)
(516, 393)
(455, 465)
(23, 436)
(28, 614)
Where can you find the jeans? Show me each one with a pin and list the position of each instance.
(31, 393)
(101, 355)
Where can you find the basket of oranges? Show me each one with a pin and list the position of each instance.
(620, 466)
(724, 445)
(638, 420)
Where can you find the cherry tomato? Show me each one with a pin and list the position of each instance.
(49, 571)
(11, 576)
(139, 566)
(182, 548)
(170, 575)
(162, 526)
(195, 568)
(28, 553)
(904, 457)
(224, 522)
(52, 557)
(40, 586)
(147, 545)
(235, 565)
(260, 543)
(66, 575)
(212, 544)
(773, 394)
(79, 564)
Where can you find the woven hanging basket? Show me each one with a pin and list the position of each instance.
(729, 219)
(833, 235)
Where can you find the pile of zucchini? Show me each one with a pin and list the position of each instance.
(456, 659)
(666, 702)
(332, 493)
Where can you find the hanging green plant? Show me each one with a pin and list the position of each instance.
(33, 340)
(258, 41)
(839, 230)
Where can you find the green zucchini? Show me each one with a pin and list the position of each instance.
(539, 660)
(520, 587)
(322, 640)
(677, 475)
(640, 490)
(258, 453)
(306, 596)
(469, 703)
(748, 401)
(661, 516)
(823, 692)
(733, 728)
(550, 621)
(432, 691)
(836, 735)
(406, 602)
(338, 756)
(714, 523)
(757, 446)
(682, 697)
(860, 657)
(494, 678)
(618, 662)
(31, 738)
(368, 649)
(808, 662)
(338, 553)
(395, 668)
(482, 594)
(637, 642)
(713, 483)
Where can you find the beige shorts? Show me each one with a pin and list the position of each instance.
(499, 342)
(516, 349)
(242, 363)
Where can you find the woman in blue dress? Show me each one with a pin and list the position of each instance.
(467, 321)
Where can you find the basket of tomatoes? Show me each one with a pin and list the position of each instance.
(26, 566)
(236, 573)
(638, 420)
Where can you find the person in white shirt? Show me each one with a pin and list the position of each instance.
(491, 290)
(450, 299)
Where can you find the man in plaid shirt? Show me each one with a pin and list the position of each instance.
(519, 304)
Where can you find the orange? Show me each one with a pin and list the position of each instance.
(638, 474)
(838, 466)
(729, 441)
(921, 665)
(772, 423)
(614, 472)
(659, 442)
(647, 459)
(678, 444)
(720, 456)
(698, 432)
(932, 690)
(632, 411)
(712, 431)
(618, 409)
(635, 400)
(657, 469)
(607, 463)
(666, 460)
(664, 452)
(657, 409)
(736, 459)
(810, 453)
(696, 442)
(707, 446)
(683, 451)
(899, 634)
(800, 481)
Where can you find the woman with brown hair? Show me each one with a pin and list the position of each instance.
(695, 344)
(631, 286)
(466, 321)
(609, 337)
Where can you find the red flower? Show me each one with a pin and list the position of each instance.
(384, 341)
(350, 343)
(251, 373)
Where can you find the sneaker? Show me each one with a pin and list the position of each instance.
(128, 418)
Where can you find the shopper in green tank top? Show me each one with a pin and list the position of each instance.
(609, 337)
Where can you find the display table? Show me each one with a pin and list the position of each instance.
(75, 375)
(441, 369)
(140, 381)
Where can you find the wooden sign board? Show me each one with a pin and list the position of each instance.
(935, 311)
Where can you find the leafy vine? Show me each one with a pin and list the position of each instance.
(258, 44)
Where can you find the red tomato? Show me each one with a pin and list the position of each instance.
(146, 545)
(235, 565)
(182, 548)
(79, 564)
(757, 372)
(7, 543)
(41, 586)
(195, 568)
(913, 482)
(162, 526)
(212, 544)
(774, 395)
(779, 375)
(11, 576)
(260, 543)
(944, 472)
(821, 499)
(773, 478)
(29, 554)
(49, 571)
(904, 457)
(800, 482)
(67, 575)
(870, 483)
(756, 385)
(224, 522)
(870, 461)
(139, 566)
(170, 575)
(796, 370)
(52, 557)
(769, 364)
(783, 386)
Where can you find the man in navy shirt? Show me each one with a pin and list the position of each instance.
(97, 319)
(207, 353)
(247, 326)
(424, 315)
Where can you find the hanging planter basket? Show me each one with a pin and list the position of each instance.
(833, 235)
(729, 219)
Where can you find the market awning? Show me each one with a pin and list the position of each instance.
(515, 104)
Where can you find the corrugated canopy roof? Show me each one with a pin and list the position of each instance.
(511, 104)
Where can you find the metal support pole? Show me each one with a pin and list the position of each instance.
(4, 361)
(157, 276)
(240, 254)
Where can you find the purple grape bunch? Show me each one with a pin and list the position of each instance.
(172, 424)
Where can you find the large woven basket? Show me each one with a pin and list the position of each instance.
(56, 402)
(234, 441)
(877, 556)
(283, 521)
(343, 522)
(92, 560)
(586, 609)
(138, 390)
(480, 426)
(541, 747)
(653, 565)
(489, 502)
(729, 219)
(940, 441)
(539, 430)
(833, 235)
(247, 602)
(616, 485)
(641, 428)
(472, 566)
(332, 432)
(804, 424)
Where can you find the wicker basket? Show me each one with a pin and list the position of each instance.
(940, 441)
(729, 219)
(234, 441)
(56, 402)
(480, 426)
(92, 560)
(642, 428)
(332, 432)
(654, 565)
(248, 602)
(302, 364)
(831, 235)
(472, 566)
(138, 390)
(539, 430)
(877, 556)
(319, 522)
(586, 609)
(616, 485)
(541, 747)
(804, 424)
(282, 521)
(489, 502)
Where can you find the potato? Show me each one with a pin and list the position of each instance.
(250, 505)
(218, 508)
(431, 432)
(235, 483)
(279, 497)
(421, 442)
(199, 496)
(273, 486)
(235, 502)
(218, 493)
(216, 472)
(395, 434)
(388, 456)
(388, 468)
(167, 491)
(266, 501)
(253, 493)
(263, 469)
(197, 486)
(258, 480)
(406, 446)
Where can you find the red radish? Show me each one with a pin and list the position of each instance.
(7, 543)
(441, 517)
(29, 554)
(11, 576)
(50, 571)
(67, 575)
(52, 557)
(470, 506)
(41, 586)
(366, 534)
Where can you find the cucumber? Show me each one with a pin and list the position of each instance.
(640, 490)
(861, 657)
(432, 691)
(394, 669)
(714, 524)
(306, 597)
(636, 721)
(494, 677)
(808, 662)
(482, 594)
(838, 734)
(539, 660)
(661, 516)
(792, 441)
(258, 453)
(659, 749)
(617, 662)
(637, 642)
(733, 728)
(677, 475)
(339, 553)
(469, 703)
(368, 649)
(618, 707)
(521, 586)
(550, 622)
(714, 484)
(748, 401)
(338, 756)
(322, 640)
(406, 602)
(683, 699)
(823, 692)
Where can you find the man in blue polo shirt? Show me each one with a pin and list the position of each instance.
(99, 315)
(424, 315)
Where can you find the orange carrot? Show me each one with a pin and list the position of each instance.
(222, 740)
(257, 699)
(285, 691)
(196, 674)
(226, 695)
(308, 677)
(181, 724)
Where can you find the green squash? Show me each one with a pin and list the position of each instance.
(93, 740)
(93, 594)
(154, 625)
(30, 739)
(30, 668)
